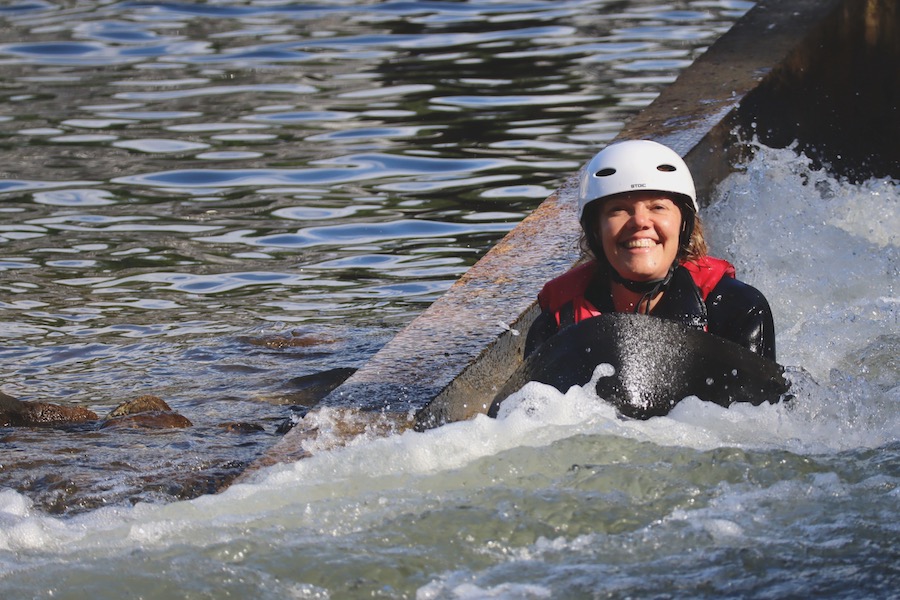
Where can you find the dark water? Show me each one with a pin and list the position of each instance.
(206, 200)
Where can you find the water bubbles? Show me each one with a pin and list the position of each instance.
(823, 264)
(602, 370)
(506, 327)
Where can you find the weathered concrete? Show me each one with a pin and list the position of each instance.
(450, 361)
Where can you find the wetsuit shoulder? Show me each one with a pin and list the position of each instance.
(739, 312)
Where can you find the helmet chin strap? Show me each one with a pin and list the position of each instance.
(647, 289)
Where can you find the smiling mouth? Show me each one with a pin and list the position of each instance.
(641, 243)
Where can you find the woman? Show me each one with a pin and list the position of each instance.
(644, 242)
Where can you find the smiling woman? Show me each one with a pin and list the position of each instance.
(639, 232)
(646, 254)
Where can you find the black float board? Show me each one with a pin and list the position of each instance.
(657, 364)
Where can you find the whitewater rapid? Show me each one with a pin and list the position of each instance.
(503, 507)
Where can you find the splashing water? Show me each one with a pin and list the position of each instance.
(558, 497)
(826, 254)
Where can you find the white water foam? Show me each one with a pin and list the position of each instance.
(800, 236)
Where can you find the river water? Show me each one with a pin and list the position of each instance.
(205, 201)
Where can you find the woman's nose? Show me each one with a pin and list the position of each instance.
(641, 217)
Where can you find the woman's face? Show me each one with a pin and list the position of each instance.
(639, 232)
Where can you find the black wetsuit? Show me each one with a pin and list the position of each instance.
(733, 310)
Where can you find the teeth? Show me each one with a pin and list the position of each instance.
(642, 243)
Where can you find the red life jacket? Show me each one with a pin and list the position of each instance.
(571, 286)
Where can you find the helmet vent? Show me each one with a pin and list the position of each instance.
(605, 172)
(665, 168)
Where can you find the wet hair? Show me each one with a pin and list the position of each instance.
(691, 246)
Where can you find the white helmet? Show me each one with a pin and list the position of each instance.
(633, 166)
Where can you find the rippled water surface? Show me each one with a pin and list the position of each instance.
(206, 200)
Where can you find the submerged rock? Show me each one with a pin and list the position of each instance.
(141, 404)
(291, 339)
(145, 412)
(149, 412)
(148, 420)
(44, 413)
(8, 403)
(18, 413)
(242, 428)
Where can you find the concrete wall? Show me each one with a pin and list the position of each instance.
(838, 93)
(450, 361)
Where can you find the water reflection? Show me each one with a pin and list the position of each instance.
(178, 174)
